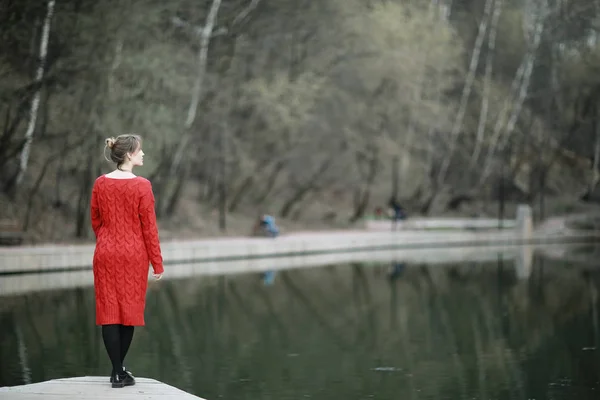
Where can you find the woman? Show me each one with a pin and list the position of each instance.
(124, 222)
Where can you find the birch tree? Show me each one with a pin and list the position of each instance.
(533, 28)
(458, 121)
(487, 84)
(595, 176)
(205, 34)
(596, 158)
(35, 103)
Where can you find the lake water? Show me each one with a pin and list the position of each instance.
(352, 331)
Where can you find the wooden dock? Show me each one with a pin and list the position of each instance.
(94, 388)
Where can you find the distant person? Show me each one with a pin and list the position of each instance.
(398, 212)
(269, 277)
(397, 270)
(124, 223)
(271, 229)
(267, 222)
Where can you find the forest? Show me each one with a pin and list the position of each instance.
(313, 111)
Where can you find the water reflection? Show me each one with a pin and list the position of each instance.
(383, 331)
(397, 269)
(268, 277)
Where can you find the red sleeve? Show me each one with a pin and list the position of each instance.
(95, 210)
(150, 228)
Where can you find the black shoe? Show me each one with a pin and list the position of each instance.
(117, 381)
(128, 379)
(129, 374)
(121, 380)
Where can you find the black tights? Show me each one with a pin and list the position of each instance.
(117, 339)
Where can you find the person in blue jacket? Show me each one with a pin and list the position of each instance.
(268, 224)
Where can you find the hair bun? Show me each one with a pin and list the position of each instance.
(110, 142)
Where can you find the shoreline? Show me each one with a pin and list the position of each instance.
(32, 259)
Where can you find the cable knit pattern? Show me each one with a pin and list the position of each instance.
(124, 222)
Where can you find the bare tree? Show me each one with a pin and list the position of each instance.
(596, 157)
(485, 97)
(462, 108)
(205, 34)
(39, 77)
(521, 84)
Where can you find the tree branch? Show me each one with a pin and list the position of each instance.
(245, 12)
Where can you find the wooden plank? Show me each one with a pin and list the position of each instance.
(94, 388)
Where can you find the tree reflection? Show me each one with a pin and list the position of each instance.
(462, 331)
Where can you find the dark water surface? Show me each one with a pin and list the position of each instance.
(468, 331)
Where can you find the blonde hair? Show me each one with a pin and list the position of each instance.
(120, 146)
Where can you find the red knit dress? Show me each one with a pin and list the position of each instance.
(124, 222)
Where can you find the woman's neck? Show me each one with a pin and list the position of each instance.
(119, 174)
(126, 168)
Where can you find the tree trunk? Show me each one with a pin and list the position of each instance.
(245, 12)
(466, 93)
(36, 97)
(179, 185)
(524, 89)
(246, 184)
(395, 173)
(304, 189)
(361, 203)
(402, 166)
(57, 203)
(296, 198)
(240, 192)
(500, 122)
(525, 74)
(299, 207)
(211, 181)
(205, 35)
(7, 152)
(33, 192)
(596, 159)
(491, 49)
(363, 195)
(82, 216)
(158, 177)
(223, 179)
(64, 152)
(271, 180)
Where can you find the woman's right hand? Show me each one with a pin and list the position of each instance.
(157, 276)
